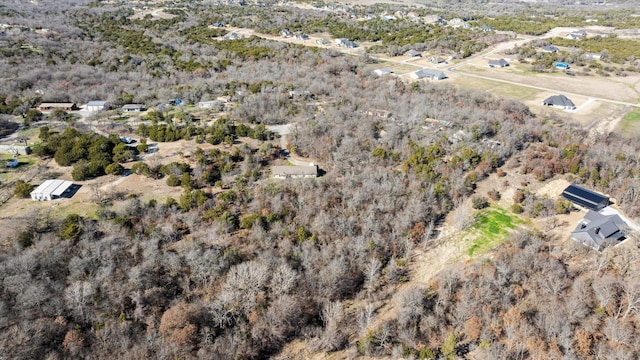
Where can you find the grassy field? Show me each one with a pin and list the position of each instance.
(511, 91)
(630, 124)
(491, 227)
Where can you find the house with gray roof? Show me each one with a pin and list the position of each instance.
(550, 48)
(599, 231)
(498, 63)
(429, 74)
(559, 101)
(96, 105)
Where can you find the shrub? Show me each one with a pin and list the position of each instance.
(518, 197)
(517, 208)
(480, 202)
(173, 180)
(114, 169)
(23, 189)
(494, 194)
(70, 228)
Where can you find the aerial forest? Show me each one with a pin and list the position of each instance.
(261, 268)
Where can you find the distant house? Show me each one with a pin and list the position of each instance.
(286, 33)
(209, 104)
(387, 18)
(561, 65)
(434, 19)
(498, 63)
(301, 36)
(96, 105)
(428, 74)
(383, 71)
(51, 189)
(294, 172)
(577, 35)
(127, 140)
(218, 24)
(436, 59)
(598, 231)
(586, 198)
(486, 28)
(559, 101)
(133, 107)
(346, 43)
(12, 163)
(232, 36)
(550, 49)
(48, 107)
(413, 53)
(457, 22)
(593, 56)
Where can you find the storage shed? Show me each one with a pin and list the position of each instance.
(51, 189)
(585, 198)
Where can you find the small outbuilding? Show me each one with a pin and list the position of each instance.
(559, 101)
(586, 198)
(598, 231)
(50, 190)
(294, 172)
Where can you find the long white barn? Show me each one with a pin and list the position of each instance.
(50, 189)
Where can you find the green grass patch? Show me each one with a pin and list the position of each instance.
(631, 123)
(633, 116)
(491, 227)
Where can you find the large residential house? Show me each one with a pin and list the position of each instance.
(429, 74)
(598, 231)
(560, 102)
(48, 107)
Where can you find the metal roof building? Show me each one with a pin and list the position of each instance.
(51, 189)
(585, 198)
(598, 231)
(294, 172)
(429, 74)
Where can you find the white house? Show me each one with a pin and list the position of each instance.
(428, 74)
(209, 104)
(133, 107)
(383, 71)
(294, 172)
(51, 189)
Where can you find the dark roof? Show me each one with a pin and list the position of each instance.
(597, 230)
(585, 198)
(500, 62)
(559, 100)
